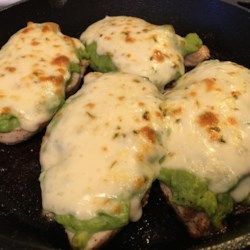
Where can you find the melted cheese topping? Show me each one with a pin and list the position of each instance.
(104, 144)
(242, 191)
(33, 70)
(138, 47)
(208, 123)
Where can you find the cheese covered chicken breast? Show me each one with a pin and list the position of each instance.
(207, 118)
(132, 45)
(37, 65)
(100, 155)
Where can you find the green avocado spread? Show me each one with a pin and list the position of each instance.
(102, 63)
(84, 229)
(192, 43)
(190, 191)
(8, 122)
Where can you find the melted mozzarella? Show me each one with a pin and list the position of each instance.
(138, 47)
(208, 124)
(242, 191)
(102, 145)
(33, 70)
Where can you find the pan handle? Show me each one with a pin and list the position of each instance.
(5, 4)
(243, 4)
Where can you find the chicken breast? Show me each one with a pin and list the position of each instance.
(100, 155)
(37, 66)
(132, 45)
(207, 149)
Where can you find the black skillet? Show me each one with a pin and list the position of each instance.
(223, 27)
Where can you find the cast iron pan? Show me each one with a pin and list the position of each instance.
(224, 28)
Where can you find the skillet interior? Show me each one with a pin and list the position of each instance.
(224, 28)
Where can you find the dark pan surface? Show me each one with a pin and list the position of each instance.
(224, 28)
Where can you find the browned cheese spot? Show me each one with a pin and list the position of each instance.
(176, 111)
(45, 28)
(141, 104)
(208, 119)
(49, 26)
(69, 40)
(146, 116)
(34, 43)
(211, 84)
(158, 56)
(232, 121)
(214, 133)
(235, 94)
(136, 80)
(60, 61)
(38, 72)
(90, 105)
(121, 98)
(57, 80)
(158, 114)
(148, 133)
(10, 69)
(26, 30)
(128, 37)
(192, 93)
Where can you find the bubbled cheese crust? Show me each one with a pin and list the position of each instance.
(103, 144)
(138, 47)
(207, 117)
(33, 71)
